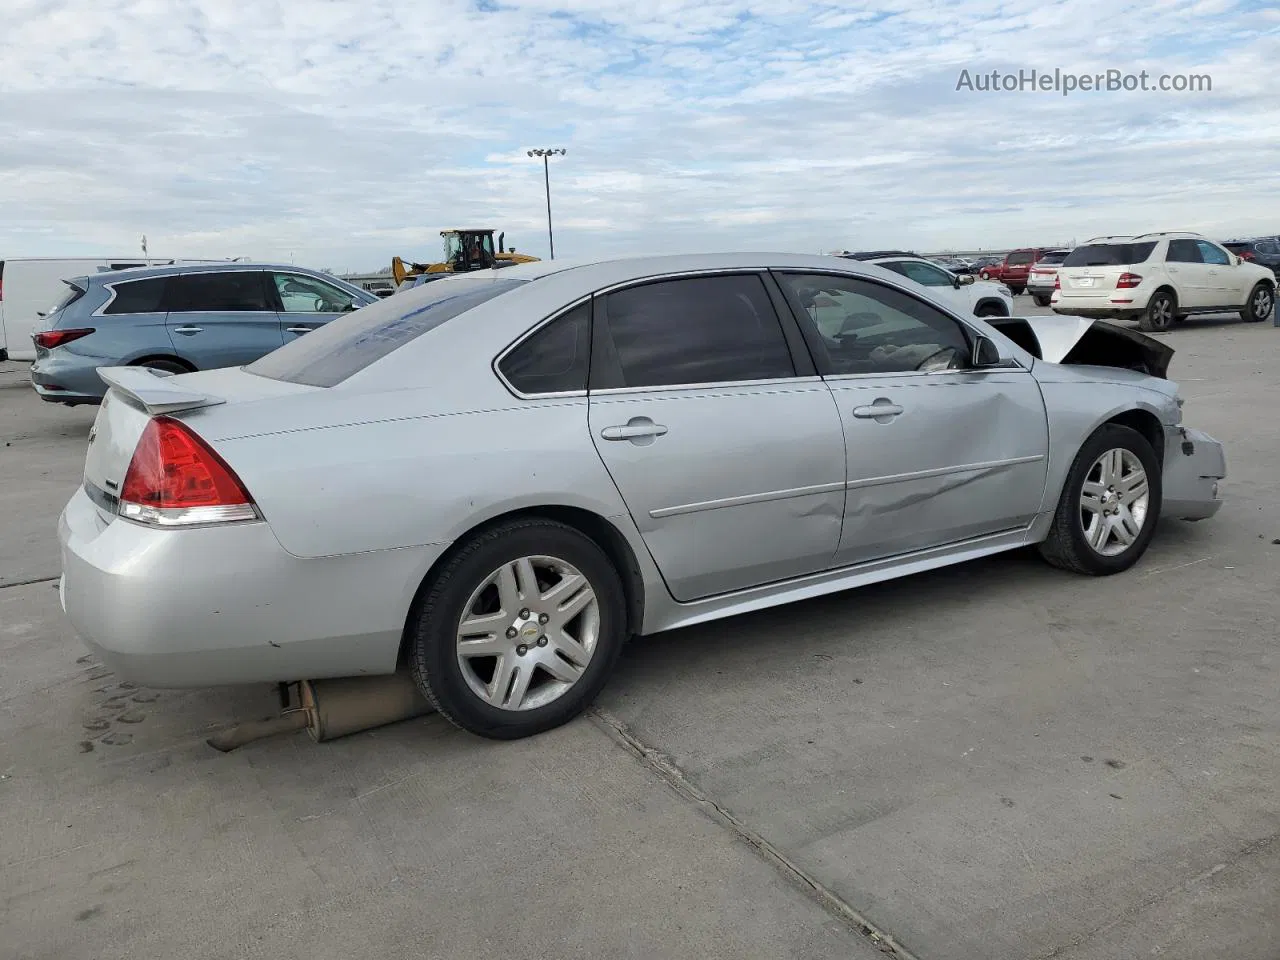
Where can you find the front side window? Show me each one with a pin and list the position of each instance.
(239, 291)
(866, 328)
(138, 296)
(299, 294)
(694, 330)
(555, 358)
(924, 273)
(1212, 253)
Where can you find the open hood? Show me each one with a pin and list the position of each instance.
(1080, 341)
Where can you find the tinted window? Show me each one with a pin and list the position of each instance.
(1183, 251)
(1049, 259)
(232, 291)
(347, 345)
(1022, 256)
(1266, 248)
(1212, 253)
(300, 294)
(555, 359)
(138, 296)
(866, 328)
(696, 330)
(1109, 254)
(924, 273)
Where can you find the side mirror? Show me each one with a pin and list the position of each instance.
(1236, 259)
(965, 279)
(986, 354)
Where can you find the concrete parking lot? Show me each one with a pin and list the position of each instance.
(992, 761)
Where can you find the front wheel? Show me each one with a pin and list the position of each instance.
(984, 275)
(1160, 312)
(1258, 307)
(1109, 507)
(519, 631)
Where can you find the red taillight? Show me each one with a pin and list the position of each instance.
(48, 339)
(176, 478)
(1128, 281)
(1057, 282)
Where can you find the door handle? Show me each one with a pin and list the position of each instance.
(188, 331)
(299, 329)
(882, 410)
(637, 428)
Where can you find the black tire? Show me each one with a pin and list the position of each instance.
(990, 310)
(1042, 300)
(432, 628)
(1161, 310)
(1253, 311)
(1066, 546)
(168, 366)
(984, 275)
(1017, 291)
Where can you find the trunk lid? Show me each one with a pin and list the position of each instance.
(1089, 281)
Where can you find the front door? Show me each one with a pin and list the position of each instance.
(221, 319)
(305, 303)
(726, 448)
(938, 452)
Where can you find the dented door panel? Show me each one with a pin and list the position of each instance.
(965, 457)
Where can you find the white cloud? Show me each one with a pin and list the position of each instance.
(344, 132)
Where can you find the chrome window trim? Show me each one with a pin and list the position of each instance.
(302, 276)
(496, 365)
(165, 276)
(718, 385)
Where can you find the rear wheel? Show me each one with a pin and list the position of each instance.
(990, 310)
(519, 631)
(1160, 312)
(1110, 505)
(1042, 300)
(1258, 307)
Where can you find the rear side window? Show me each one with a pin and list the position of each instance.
(229, 292)
(138, 296)
(1109, 254)
(555, 359)
(1183, 251)
(693, 331)
(343, 347)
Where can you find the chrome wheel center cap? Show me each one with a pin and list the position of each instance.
(528, 632)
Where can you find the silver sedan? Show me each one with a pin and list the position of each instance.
(496, 479)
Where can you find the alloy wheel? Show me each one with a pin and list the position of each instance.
(528, 632)
(1262, 303)
(1114, 502)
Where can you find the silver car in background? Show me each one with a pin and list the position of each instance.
(497, 478)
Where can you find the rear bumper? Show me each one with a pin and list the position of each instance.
(228, 605)
(1194, 462)
(1096, 311)
(60, 382)
(1041, 289)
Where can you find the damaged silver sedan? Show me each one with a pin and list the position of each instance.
(496, 479)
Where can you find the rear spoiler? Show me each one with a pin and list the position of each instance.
(155, 390)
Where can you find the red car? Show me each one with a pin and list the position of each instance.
(1013, 270)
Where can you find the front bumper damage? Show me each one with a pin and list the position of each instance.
(1194, 463)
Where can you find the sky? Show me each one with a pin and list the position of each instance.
(337, 134)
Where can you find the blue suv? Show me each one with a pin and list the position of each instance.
(179, 319)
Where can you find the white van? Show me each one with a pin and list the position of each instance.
(30, 286)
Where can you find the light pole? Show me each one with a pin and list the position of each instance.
(546, 176)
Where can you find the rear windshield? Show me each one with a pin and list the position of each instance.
(1054, 256)
(343, 347)
(75, 290)
(1109, 254)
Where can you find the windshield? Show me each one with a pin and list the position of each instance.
(1109, 254)
(343, 347)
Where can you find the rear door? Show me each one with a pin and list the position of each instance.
(305, 303)
(1223, 281)
(938, 452)
(1190, 274)
(222, 319)
(725, 445)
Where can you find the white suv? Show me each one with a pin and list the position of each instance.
(1157, 278)
(964, 294)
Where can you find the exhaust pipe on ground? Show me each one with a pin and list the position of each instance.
(339, 707)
